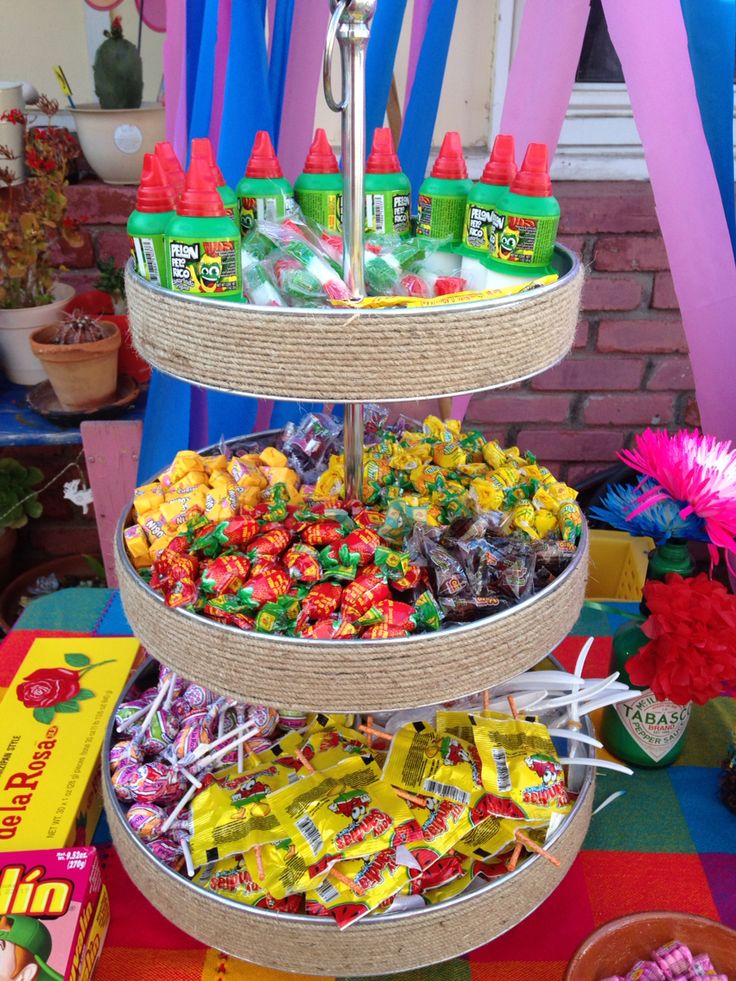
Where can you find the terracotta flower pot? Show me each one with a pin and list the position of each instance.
(16, 326)
(84, 376)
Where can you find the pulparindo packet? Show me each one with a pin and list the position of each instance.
(347, 811)
(231, 878)
(375, 879)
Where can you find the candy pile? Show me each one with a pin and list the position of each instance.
(672, 962)
(454, 528)
(203, 485)
(317, 813)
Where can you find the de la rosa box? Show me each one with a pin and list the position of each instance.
(54, 914)
(54, 716)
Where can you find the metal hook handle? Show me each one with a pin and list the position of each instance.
(327, 59)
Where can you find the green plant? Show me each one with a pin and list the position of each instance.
(33, 215)
(112, 280)
(78, 328)
(118, 71)
(18, 500)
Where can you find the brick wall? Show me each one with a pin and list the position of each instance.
(629, 368)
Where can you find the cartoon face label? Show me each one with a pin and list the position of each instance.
(206, 268)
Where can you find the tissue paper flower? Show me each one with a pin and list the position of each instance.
(660, 521)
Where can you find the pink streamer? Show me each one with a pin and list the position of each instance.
(303, 75)
(271, 21)
(418, 30)
(222, 48)
(657, 69)
(543, 71)
(263, 415)
(173, 56)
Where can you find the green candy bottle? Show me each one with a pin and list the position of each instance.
(264, 194)
(483, 215)
(525, 244)
(202, 243)
(318, 189)
(443, 195)
(172, 168)
(387, 189)
(154, 209)
(201, 147)
(643, 730)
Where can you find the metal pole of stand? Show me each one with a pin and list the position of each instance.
(350, 25)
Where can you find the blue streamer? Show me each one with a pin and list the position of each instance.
(201, 109)
(421, 113)
(165, 425)
(711, 31)
(380, 59)
(247, 98)
(195, 16)
(280, 42)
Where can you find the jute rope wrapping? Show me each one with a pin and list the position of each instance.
(311, 945)
(346, 676)
(348, 355)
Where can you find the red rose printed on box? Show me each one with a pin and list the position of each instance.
(51, 690)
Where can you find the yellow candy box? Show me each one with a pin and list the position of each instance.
(54, 714)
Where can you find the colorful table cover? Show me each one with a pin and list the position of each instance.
(669, 843)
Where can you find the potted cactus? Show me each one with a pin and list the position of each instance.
(80, 355)
(115, 134)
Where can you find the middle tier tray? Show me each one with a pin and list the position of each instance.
(349, 355)
(361, 675)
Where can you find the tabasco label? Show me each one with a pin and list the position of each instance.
(655, 726)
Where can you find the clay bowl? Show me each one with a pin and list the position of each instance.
(615, 947)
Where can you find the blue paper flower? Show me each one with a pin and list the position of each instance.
(661, 521)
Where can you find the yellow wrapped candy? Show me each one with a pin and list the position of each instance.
(506, 476)
(489, 497)
(545, 523)
(214, 464)
(147, 498)
(523, 517)
(570, 521)
(272, 457)
(493, 454)
(184, 462)
(158, 546)
(177, 510)
(137, 546)
(561, 492)
(281, 475)
(154, 524)
(449, 455)
(545, 501)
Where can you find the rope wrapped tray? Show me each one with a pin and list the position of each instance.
(344, 675)
(376, 945)
(342, 355)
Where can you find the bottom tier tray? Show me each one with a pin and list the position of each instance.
(375, 945)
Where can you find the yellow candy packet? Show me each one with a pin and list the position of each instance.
(184, 462)
(347, 811)
(363, 885)
(230, 878)
(472, 869)
(136, 542)
(425, 761)
(222, 830)
(520, 765)
(285, 872)
(147, 498)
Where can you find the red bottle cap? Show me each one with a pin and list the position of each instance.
(321, 158)
(383, 158)
(450, 164)
(200, 198)
(501, 167)
(154, 193)
(173, 169)
(533, 179)
(201, 147)
(263, 160)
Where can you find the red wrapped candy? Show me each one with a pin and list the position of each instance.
(360, 595)
(364, 541)
(302, 563)
(322, 600)
(384, 631)
(272, 543)
(226, 574)
(183, 592)
(265, 588)
(321, 533)
(331, 628)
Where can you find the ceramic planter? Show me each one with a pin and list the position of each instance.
(12, 135)
(19, 362)
(114, 140)
(83, 376)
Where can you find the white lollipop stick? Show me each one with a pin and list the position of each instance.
(170, 692)
(583, 693)
(593, 761)
(207, 761)
(206, 748)
(124, 726)
(609, 800)
(575, 737)
(178, 809)
(190, 777)
(240, 719)
(154, 706)
(187, 857)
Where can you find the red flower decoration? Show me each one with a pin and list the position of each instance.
(691, 654)
(13, 116)
(47, 687)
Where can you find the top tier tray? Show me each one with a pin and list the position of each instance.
(345, 355)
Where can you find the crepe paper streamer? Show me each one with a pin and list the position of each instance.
(280, 39)
(543, 70)
(421, 109)
(229, 416)
(166, 424)
(246, 89)
(154, 14)
(303, 81)
(198, 417)
(711, 31)
(660, 83)
(222, 49)
(194, 19)
(271, 14)
(263, 415)
(460, 406)
(379, 68)
(199, 119)
(174, 57)
(419, 21)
